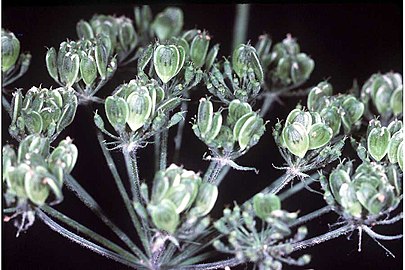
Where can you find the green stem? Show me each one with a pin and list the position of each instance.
(241, 24)
(124, 194)
(96, 209)
(298, 187)
(83, 242)
(310, 216)
(223, 173)
(157, 151)
(180, 129)
(89, 233)
(321, 238)
(163, 150)
(133, 174)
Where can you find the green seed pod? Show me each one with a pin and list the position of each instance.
(180, 196)
(84, 30)
(296, 139)
(319, 135)
(199, 49)
(37, 191)
(140, 108)
(332, 118)
(164, 216)
(168, 23)
(65, 155)
(182, 54)
(382, 98)
(33, 122)
(263, 45)
(212, 55)
(68, 113)
(265, 204)
(70, 68)
(365, 192)
(394, 126)
(396, 101)
(298, 116)
(394, 179)
(237, 109)
(317, 95)
(16, 105)
(9, 159)
(205, 200)
(51, 65)
(160, 188)
(56, 97)
(175, 119)
(316, 118)
(15, 179)
(166, 60)
(117, 111)
(393, 145)
(10, 50)
(239, 124)
(239, 60)
(301, 68)
(251, 132)
(353, 108)
(204, 116)
(245, 57)
(145, 57)
(215, 127)
(190, 34)
(377, 142)
(88, 69)
(101, 55)
(349, 201)
(126, 34)
(32, 144)
(400, 155)
(169, 104)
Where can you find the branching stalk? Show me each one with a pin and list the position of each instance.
(97, 210)
(89, 233)
(83, 242)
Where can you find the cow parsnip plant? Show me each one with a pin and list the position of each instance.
(171, 212)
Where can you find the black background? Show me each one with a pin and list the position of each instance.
(346, 41)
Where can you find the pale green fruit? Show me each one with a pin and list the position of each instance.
(319, 135)
(166, 60)
(164, 216)
(265, 204)
(140, 108)
(296, 139)
(377, 142)
(117, 111)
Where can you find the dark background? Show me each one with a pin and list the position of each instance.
(346, 41)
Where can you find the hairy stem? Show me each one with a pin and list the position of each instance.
(133, 174)
(311, 216)
(96, 209)
(296, 188)
(83, 242)
(180, 129)
(89, 233)
(322, 238)
(163, 150)
(240, 25)
(123, 193)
